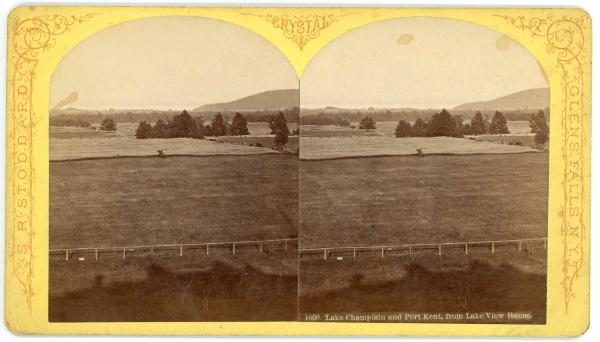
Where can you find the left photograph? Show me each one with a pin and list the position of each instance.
(173, 176)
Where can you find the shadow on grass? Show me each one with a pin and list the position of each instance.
(480, 287)
(221, 293)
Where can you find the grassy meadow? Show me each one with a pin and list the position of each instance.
(144, 201)
(411, 200)
(346, 147)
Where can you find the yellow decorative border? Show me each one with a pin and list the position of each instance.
(300, 29)
(40, 36)
(565, 40)
(31, 37)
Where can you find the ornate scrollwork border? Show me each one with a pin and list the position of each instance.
(31, 38)
(565, 39)
(300, 29)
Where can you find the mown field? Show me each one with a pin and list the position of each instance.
(344, 147)
(409, 200)
(265, 141)
(406, 199)
(143, 201)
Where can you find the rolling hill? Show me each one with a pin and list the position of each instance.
(537, 98)
(267, 100)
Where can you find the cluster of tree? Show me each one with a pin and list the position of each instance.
(108, 124)
(63, 121)
(279, 127)
(180, 126)
(539, 126)
(445, 124)
(184, 126)
(367, 123)
(411, 115)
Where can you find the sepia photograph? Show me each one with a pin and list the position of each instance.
(173, 176)
(423, 177)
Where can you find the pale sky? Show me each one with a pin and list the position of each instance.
(169, 63)
(418, 62)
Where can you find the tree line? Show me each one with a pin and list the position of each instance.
(340, 117)
(185, 126)
(448, 125)
(73, 117)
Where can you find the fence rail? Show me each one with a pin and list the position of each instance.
(439, 248)
(180, 247)
(413, 248)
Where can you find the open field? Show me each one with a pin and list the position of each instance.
(406, 200)
(397, 200)
(327, 148)
(132, 201)
(142, 201)
(524, 139)
(64, 149)
(266, 141)
(78, 133)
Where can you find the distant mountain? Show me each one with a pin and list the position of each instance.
(267, 100)
(538, 98)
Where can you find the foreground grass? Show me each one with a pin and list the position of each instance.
(406, 200)
(140, 201)
(143, 201)
(403, 200)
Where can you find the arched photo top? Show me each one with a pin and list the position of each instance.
(170, 62)
(420, 62)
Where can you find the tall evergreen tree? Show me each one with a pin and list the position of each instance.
(239, 125)
(144, 130)
(419, 128)
(218, 125)
(539, 126)
(279, 127)
(442, 124)
(478, 124)
(159, 130)
(183, 126)
(498, 124)
(403, 129)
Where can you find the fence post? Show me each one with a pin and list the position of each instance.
(493, 247)
(207, 248)
(233, 248)
(325, 254)
(520, 245)
(466, 248)
(180, 250)
(440, 249)
(124, 251)
(67, 255)
(354, 252)
(96, 253)
(260, 248)
(382, 253)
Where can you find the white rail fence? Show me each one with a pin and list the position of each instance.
(206, 247)
(439, 248)
(325, 252)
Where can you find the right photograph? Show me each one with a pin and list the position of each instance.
(423, 177)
